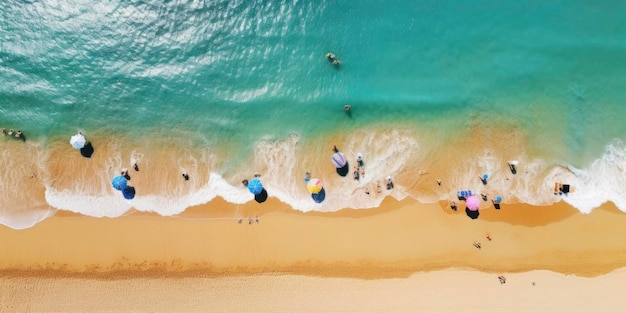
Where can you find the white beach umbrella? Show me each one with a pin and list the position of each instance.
(78, 141)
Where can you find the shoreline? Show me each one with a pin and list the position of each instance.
(393, 241)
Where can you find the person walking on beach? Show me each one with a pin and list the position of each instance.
(356, 173)
(453, 206)
(185, 176)
(438, 181)
(335, 149)
(136, 167)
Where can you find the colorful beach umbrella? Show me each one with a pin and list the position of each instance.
(78, 141)
(255, 186)
(119, 182)
(128, 192)
(339, 160)
(314, 185)
(472, 203)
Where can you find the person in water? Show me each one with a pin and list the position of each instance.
(18, 134)
(347, 107)
(3, 131)
(330, 56)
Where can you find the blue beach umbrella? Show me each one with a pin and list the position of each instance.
(255, 186)
(498, 198)
(128, 192)
(485, 176)
(119, 182)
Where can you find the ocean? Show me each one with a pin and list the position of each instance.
(225, 89)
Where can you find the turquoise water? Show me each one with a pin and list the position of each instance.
(235, 72)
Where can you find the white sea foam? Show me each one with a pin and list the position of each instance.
(602, 181)
(282, 166)
(113, 204)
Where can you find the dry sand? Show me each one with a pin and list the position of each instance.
(403, 256)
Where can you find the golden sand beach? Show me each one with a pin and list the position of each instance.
(403, 256)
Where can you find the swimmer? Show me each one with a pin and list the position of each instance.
(336, 62)
(347, 107)
(18, 134)
(330, 56)
(10, 131)
(4, 131)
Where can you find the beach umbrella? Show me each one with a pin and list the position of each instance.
(261, 196)
(128, 192)
(472, 203)
(78, 141)
(339, 160)
(472, 214)
(314, 185)
(485, 176)
(498, 198)
(255, 186)
(119, 182)
(320, 196)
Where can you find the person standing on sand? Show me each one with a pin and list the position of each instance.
(125, 173)
(335, 149)
(136, 167)
(439, 181)
(185, 176)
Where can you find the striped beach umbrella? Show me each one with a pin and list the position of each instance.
(314, 185)
(339, 160)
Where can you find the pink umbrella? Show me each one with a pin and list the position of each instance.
(472, 203)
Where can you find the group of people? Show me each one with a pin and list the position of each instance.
(11, 132)
(331, 57)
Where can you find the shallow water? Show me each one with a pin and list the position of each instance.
(242, 87)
